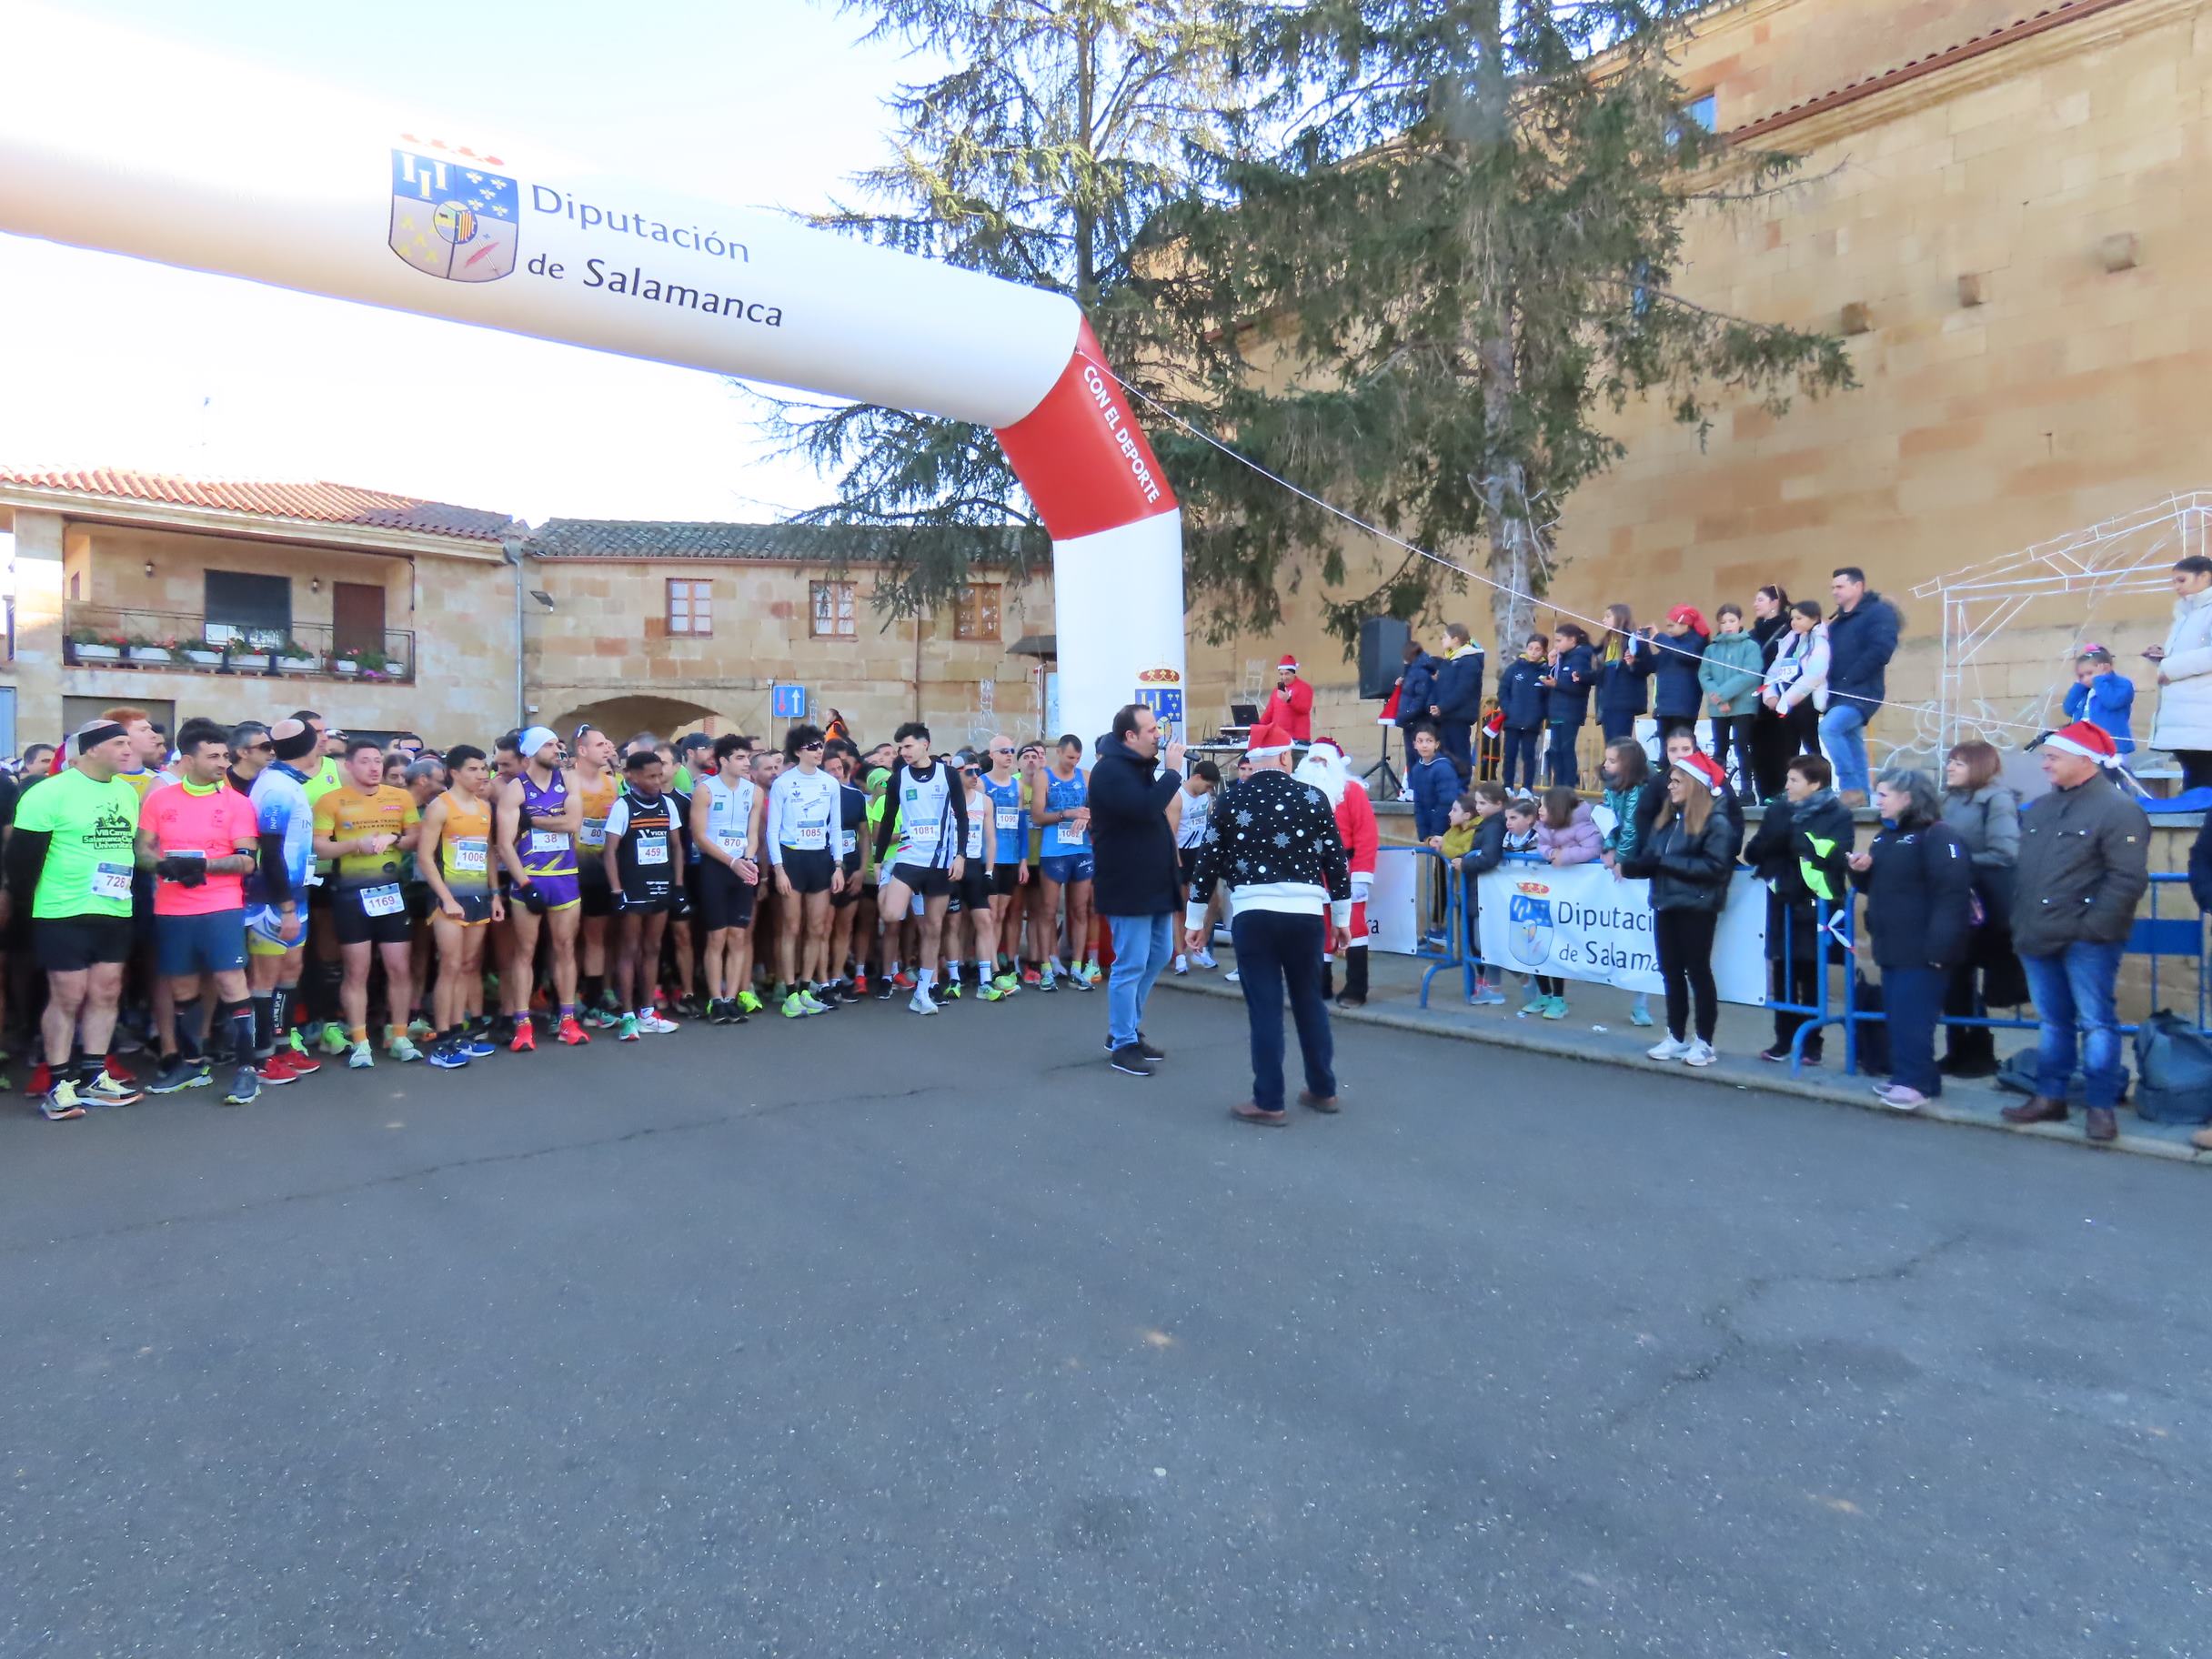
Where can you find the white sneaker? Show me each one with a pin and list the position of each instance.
(1668, 1047)
(1700, 1054)
(653, 1023)
(922, 1002)
(1232, 978)
(1182, 964)
(1204, 959)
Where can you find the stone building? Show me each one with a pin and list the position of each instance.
(2002, 209)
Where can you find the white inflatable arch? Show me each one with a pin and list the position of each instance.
(114, 142)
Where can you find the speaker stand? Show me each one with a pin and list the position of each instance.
(1392, 782)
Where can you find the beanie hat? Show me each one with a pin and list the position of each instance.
(535, 739)
(1705, 770)
(2090, 742)
(294, 739)
(1265, 741)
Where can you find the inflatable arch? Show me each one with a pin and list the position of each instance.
(182, 158)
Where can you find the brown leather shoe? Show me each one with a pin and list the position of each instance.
(2041, 1109)
(2102, 1125)
(1246, 1112)
(1318, 1102)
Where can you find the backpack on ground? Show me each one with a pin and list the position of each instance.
(2174, 1058)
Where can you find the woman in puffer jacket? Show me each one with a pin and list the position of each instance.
(1689, 858)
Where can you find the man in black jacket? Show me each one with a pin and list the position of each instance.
(1273, 842)
(1134, 886)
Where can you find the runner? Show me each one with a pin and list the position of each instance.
(276, 895)
(362, 826)
(541, 813)
(726, 822)
(681, 940)
(1010, 876)
(425, 781)
(1068, 864)
(324, 970)
(196, 837)
(1041, 919)
(849, 981)
(455, 858)
(250, 753)
(805, 811)
(975, 893)
(596, 786)
(644, 862)
(1193, 812)
(70, 860)
(768, 766)
(931, 829)
(149, 749)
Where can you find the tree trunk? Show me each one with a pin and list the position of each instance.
(1504, 480)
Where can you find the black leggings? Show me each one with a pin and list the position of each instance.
(2195, 768)
(1685, 939)
(1736, 728)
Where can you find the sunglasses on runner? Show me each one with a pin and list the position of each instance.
(805, 748)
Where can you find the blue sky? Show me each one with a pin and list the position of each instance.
(116, 362)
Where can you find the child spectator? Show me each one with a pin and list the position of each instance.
(2103, 696)
(1484, 805)
(1521, 701)
(1627, 775)
(1796, 687)
(1543, 991)
(1459, 694)
(1460, 835)
(1622, 663)
(1675, 699)
(1688, 858)
(1731, 672)
(1799, 851)
(1566, 832)
(1567, 704)
(1434, 780)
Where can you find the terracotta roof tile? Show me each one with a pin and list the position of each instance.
(314, 503)
(657, 538)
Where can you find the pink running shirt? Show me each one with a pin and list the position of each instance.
(181, 819)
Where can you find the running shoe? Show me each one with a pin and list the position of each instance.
(810, 1003)
(1639, 1012)
(1486, 995)
(1182, 965)
(526, 1037)
(887, 990)
(859, 988)
(60, 1103)
(420, 1029)
(903, 980)
(1555, 1008)
(42, 1079)
(362, 1057)
(335, 1041)
(628, 1030)
(1047, 982)
(402, 1049)
(245, 1088)
(1203, 958)
(119, 1072)
(652, 1022)
(108, 1090)
(1091, 973)
(448, 1056)
(571, 1032)
(303, 1063)
(277, 1069)
(1667, 1048)
(848, 993)
(793, 1009)
(1007, 984)
(481, 1047)
(1076, 979)
(1028, 977)
(176, 1072)
(921, 1002)
(989, 991)
(604, 1019)
(1233, 978)
(748, 1002)
(1700, 1054)
(952, 991)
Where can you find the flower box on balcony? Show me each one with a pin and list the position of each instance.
(150, 653)
(97, 653)
(203, 659)
(345, 665)
(307, 663)
(249, 663)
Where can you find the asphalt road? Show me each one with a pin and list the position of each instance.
(886, 1336)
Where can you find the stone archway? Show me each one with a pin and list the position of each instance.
(622, 717)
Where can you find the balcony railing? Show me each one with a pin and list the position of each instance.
(103, 635)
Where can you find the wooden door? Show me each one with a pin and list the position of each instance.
(356, 618)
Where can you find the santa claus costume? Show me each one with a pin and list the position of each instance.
(1291, 705)
(1327, 770)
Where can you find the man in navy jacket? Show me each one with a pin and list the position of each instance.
(1862, 638)
(1135, 886)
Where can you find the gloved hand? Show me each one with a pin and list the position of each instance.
(527, 896)
(185, 872)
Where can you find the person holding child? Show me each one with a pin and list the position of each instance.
(1731, 672)
(2102, 696)
(1688, 859)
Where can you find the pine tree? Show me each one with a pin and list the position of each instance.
(1452, 226)
(1038, 157)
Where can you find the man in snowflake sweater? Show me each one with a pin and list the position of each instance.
(1272, 842)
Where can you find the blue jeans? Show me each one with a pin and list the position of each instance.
(1275, 952)
(1842, 730)
(1141, 947)
(1519, 759)
(1564, 768)
(1911, 997)
(2073, 992)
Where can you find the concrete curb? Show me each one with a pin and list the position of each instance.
(1727, 1074)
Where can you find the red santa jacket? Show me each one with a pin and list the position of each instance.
(1355, 826)
(1292, 708)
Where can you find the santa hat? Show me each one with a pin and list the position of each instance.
(1265, 741)
(1289, 662)
(1703, 768)
(2090, 742)
(1690, 615)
